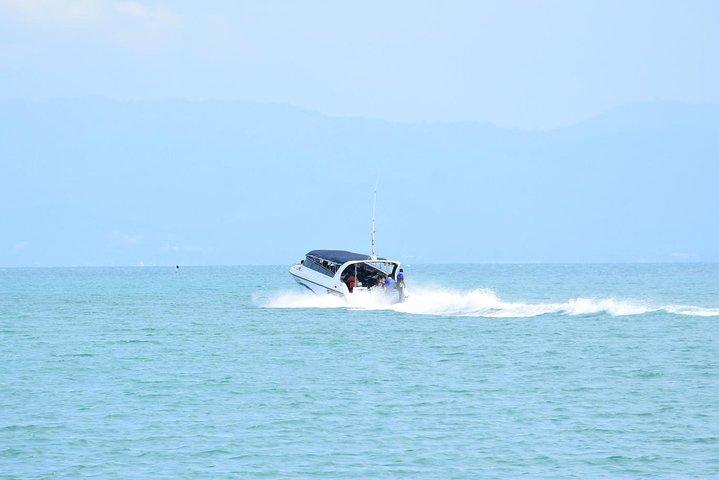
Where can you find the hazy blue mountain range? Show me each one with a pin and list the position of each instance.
(101, 182)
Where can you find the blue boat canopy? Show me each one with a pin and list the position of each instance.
(339, 256)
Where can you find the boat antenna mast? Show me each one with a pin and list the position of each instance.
(373, 254)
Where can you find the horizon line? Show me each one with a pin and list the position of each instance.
(315, 111)
(174, 266)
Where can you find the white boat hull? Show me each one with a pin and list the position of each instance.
(316, 282)
(324, 285)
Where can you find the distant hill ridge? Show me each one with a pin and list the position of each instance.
(97, 182)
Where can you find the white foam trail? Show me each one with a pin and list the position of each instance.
(476, 303)
(361, 301)
(691, 310)
(486, 303)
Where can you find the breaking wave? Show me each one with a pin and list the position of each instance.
(477, 303)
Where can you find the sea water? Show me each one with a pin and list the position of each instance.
(487, 371)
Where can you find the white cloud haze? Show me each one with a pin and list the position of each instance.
(127, 22)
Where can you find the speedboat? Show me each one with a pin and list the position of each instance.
(344, 273)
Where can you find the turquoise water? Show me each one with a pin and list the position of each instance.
(488, 371)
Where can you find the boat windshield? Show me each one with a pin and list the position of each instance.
(385, 267)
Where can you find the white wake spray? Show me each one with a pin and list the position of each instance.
(475, 303)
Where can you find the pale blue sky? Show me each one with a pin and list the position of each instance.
(537, 64)
(159, 132)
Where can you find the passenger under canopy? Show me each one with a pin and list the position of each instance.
(370, 273)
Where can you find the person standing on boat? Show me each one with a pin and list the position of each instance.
(400, 284)
(390, 283)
